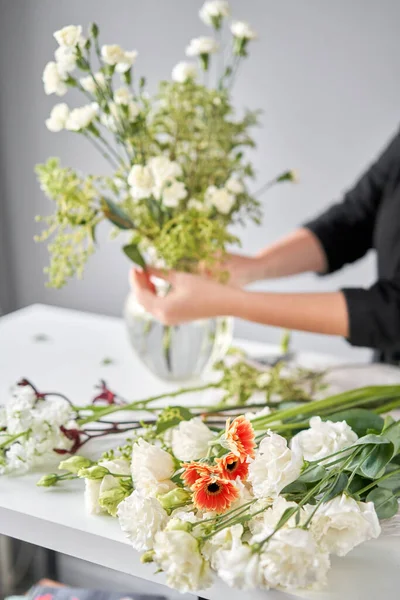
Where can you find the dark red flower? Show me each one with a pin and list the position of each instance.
(106, 395)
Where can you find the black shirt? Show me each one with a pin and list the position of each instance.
(369, 217)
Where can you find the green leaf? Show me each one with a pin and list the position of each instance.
(315, 473)
(297, 487)
(172, 416)
(357, 483)
(337, 488)
(374, 463)
(393, 434)
(133, 253)
(359, 419)
(393, 482)
(116, 215)
(385, 502)
(371, 438)
(289, 512)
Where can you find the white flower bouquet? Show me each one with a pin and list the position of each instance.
(178, 169)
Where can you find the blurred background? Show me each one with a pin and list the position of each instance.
(326, 75)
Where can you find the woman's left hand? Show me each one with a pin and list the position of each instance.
(191, 297)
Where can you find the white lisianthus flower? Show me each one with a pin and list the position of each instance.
(184, 71)
(243, 31)
(163, 170)
(213, 11)
(274, 467)
(223, 540)
(53, 80)
(190, 439)
(114, 55)
(65, 59)
(342, 524)
(195, 204)
(292, 560)
(95, 487)
(263, 525)
(80, 118)
(90, 86)
(158, 462)
(177, 553)
(173, 193)
(221, 199)
(140, 518)
(323, 438)
(141, 181)
(58, 118)
(202, 46)
(239, 567)
(234, 186)
(69, 36)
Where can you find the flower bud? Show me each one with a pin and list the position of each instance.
(176, 524)
(93, 30)
(110, 500)
(147, 557)
(75, 464)
(288, 176)
(48, 480)
(174, 499)
(95, 472)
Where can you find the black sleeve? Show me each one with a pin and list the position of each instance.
(345, 230)
(374, 315)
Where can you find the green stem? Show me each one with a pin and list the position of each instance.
(12, 439)
(374, 483)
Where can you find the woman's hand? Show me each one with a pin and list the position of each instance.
(241, 269)
(191, 297)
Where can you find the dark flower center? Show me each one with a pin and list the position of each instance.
(213, 488)
(232, 466)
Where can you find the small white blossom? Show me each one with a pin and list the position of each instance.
(274, 467)
(190, 439)
(323, 438)
(140, 519)
(239, 567)
(221, 199)
(81, 118)
(66, 60)
(163, 170)
(202, 46)
(243, 31)
(292, 560)
(173, 193)
(184, 71)
(114, 55)
(89, 85)
(177, 553)
(213, 11)
(152, 468)
(122, 96)
(141, 181)
(234, 186)
(58, 118)
(263, 525)
(195, 204)
(342, 524)
(69, 36)
(53, 80)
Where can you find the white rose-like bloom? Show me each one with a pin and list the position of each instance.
(140, 518)
(177, 553)
(53, 80)
(184, 71)
(274, 467)
(69, 36)
(65, 59)
(234, 186)
(173, 193)
(323, 438)
(243, 31)
(146, 456)
(164, 170)
(221, 199)
(214, 10)
(239, 567)
(80, 118)
(141, 181)
(261, 526)
(190, 439)
(292, 560)
(223, 540)
(90, 86)
(202, 46)
(114, 55)
(342, 524)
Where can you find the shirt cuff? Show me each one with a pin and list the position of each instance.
(323, 232)
(359, 315)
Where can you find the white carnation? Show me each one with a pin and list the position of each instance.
(221, 199)
(213, 11)
(196, 205)
(239, 567)
(163, 170)
(173, 193)
(274, 467)
(263, 525)
(122, 96)
(66, 60)
(202, 46)
(292, 560)
(141, 181)
(151, 459)
(140, 519)
(184, 71)
(53, 80)
(80, 118)
(323, 438)
(69, 36)
(243, 31)
(89, 83)
(114, 55)
(342, 524)
(221, 541)
(234, 186)
(177, 553)
(190, 439)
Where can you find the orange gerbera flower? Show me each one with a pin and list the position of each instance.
(239, 436)
(212, 493)
(193, 471)
(231, 466)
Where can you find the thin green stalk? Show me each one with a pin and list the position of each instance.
(13, 438)
(100, 149)
(374, 483)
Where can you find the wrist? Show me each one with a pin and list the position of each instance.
(235, 303)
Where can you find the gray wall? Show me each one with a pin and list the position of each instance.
(327, 75)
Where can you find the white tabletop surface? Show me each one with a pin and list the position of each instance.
(70, 361)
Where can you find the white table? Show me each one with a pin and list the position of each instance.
(70, 361)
